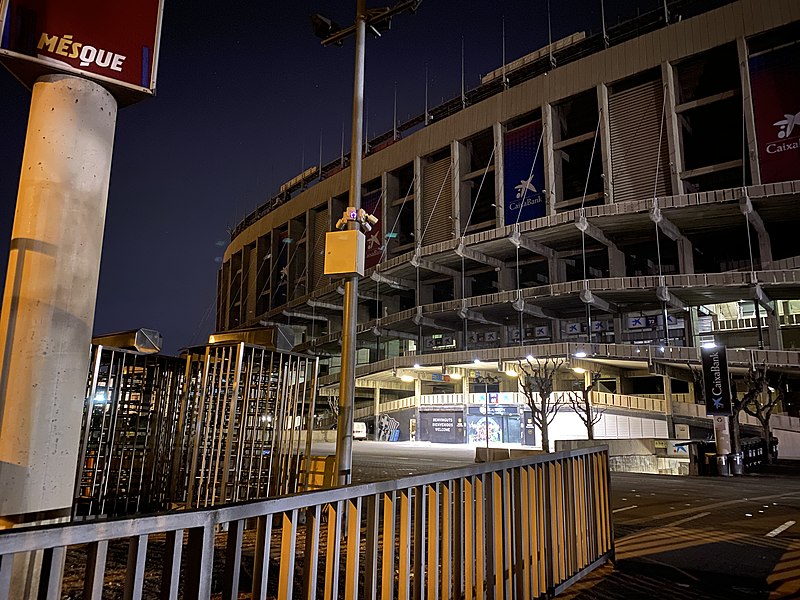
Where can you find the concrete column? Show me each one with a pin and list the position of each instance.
(668, 405)
(672, 130)
(460, 156)
(616, 262)
(685, 256)
(51, 289)
(549, 158)
(499, 132)
(749, 116)
(605, 142)
(774, 329)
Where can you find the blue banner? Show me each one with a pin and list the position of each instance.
(523, 180)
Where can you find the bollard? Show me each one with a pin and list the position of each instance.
(723, 465)
(737, 463)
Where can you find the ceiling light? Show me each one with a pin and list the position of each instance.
(579, 370)
(407, 378)
(455, 375)
(477, 361)
(529, 357)
(580, 354)
(511, 373)
(416, 365)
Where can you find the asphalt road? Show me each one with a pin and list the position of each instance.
(676, 537)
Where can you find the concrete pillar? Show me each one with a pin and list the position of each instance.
(605, 142)
(616, 262)
(749, 116)
(499, 131)
(668, 405)
(550, 183)
(672, 130)
(50, 293)
(774, 329)
(461, 191)
(685, 256)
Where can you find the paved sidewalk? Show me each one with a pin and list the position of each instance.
(702, 538)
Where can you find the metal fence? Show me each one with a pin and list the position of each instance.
(524, 528)
(240, 422)
(128, 431)
(221, 424)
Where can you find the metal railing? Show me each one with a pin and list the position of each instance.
(524, 528)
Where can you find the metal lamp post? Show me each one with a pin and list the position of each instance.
(377, 20)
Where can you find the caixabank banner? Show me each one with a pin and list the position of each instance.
(716, 380)
(775, 83)
(112, 41)
(524, 174)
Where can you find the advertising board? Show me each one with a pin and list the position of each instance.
(114, 42)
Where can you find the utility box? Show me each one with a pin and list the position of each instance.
(344, 252)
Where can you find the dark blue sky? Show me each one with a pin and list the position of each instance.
(244, 93)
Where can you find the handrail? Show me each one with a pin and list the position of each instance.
(535, 523)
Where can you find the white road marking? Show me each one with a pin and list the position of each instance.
(687, 519)
(781, 529)
(616, 510)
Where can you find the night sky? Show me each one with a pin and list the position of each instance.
(245, 91)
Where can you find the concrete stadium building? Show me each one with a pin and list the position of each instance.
(614, 200)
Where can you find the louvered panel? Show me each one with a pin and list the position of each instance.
(317, 244)
(635, 121)
(437, 202)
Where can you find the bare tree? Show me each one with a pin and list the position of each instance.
(537, 378)
(581, 403)
(763, 401)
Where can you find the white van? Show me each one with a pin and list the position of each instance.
(359, 430)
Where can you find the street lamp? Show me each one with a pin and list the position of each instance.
(377, 20)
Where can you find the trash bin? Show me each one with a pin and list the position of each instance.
(723, 466)
(737, 463)
(708, 464)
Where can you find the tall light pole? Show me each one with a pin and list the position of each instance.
(377, 20)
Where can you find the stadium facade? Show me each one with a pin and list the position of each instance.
(615, 200)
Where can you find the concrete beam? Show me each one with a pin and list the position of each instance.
(520, 240)
(397, 283)
(475, 316)
(663, 294)
(527, 308)
(587, 297)
(383, 332)
(422, 263)
(764, 243)
(667, 227)
(593, 231)
(464, 252)
(760, 296)
(299, 315)
(324, 305)
(419, 319)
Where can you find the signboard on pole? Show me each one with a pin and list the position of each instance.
(716, 380)
(114, 42)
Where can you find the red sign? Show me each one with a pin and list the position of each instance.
(775, 83)
(112, 41)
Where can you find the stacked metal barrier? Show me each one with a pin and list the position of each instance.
(128, 432)
(226, 422)
(241, 423)
(525, 528)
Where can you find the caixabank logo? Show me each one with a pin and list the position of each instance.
(786, 142)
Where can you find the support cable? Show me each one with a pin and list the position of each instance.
(516, 227)
(461, 241)
(661, 282)
(583, 230)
